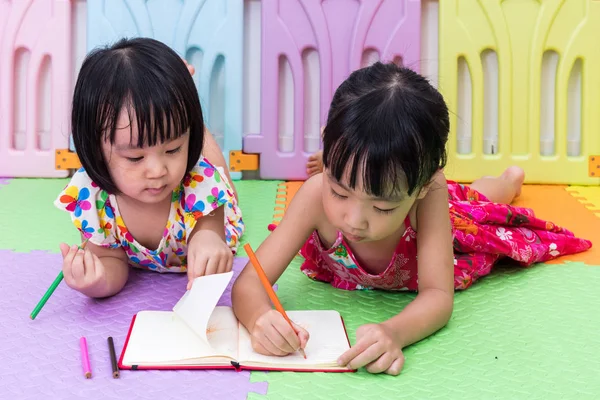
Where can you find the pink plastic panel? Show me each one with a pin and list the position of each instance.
(35, 85)
(341, 32)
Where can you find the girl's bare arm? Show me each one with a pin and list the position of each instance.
(301, 218)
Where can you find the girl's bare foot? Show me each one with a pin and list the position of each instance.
(502, 189)
(315, 163)
(516, 176)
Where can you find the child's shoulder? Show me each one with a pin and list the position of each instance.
(206, 176)
(81, 188)
(90, 209)
(309, 198)
(439, 176)
(206, 187)
(312, 188)
(202, 171)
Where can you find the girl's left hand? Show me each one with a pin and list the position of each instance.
(207, 254)
(376, 349)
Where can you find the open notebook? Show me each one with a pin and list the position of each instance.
(198, 334)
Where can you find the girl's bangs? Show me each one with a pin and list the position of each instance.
(161, 115)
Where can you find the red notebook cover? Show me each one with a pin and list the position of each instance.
(234, 365)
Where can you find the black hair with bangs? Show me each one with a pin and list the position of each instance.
(147, 79)
(390, 123)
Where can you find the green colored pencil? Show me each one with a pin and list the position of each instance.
(51, 289)
(47, 295)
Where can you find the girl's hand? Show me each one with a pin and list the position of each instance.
(189, 66)
(82, 269)
(272, 335)
(207, 254)
(376, 349)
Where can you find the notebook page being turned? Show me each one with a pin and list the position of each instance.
(197, 305)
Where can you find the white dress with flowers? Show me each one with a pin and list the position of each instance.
(96, 214)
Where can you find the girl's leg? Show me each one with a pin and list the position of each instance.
(502, 189)
(315, 163)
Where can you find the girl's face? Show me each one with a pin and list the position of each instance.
(359, 216)
(148, 174)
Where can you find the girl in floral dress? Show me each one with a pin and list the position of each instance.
(145, 196)
(378, 213)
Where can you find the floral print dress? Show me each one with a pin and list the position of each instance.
(96, 215)
(483, 233)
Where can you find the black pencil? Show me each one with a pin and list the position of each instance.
(113, 357)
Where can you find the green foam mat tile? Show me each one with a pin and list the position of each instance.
(29, 219)
(516, 334)
(257, 202)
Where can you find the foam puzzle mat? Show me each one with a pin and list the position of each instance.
(28, 213)
(41, 358)
(257, 200)
(518, 333)
(515, 334)
(285, 193)
(589, 196)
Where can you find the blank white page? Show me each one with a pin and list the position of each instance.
(158, 337)
(327, 340)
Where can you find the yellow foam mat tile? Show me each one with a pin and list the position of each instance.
(285, 193)
(589, 196)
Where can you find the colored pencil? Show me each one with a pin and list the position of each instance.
(113, 357)
(267, 285)
(85, 358)
(50, 290)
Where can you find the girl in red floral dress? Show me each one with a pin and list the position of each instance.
(380, 214)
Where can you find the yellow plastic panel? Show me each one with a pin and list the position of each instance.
(520, 33)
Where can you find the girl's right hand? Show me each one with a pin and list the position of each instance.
(82, 269)
(272, 335)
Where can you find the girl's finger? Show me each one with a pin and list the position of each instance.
(373, 352)
(396, 366)
(303, 335)
(229, 265)
(90, 265)
(190, 266)
(381, 364)
(78, 268)
(68, 266)
(274, 342)
(224, 265)
(287, 338)
(212, 266)
(195, 270)
(259, 348)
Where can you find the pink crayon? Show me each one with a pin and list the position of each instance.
(85, 359)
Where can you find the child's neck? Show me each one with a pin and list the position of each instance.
(146, 222)
(131, 203)
(375, 256)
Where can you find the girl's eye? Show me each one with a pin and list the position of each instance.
(337, 195)
(174, 150)
(388, 211)
(134, 159)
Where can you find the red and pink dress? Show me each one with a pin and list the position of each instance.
(483, 233)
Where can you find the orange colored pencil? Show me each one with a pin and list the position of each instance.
(267, 285)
